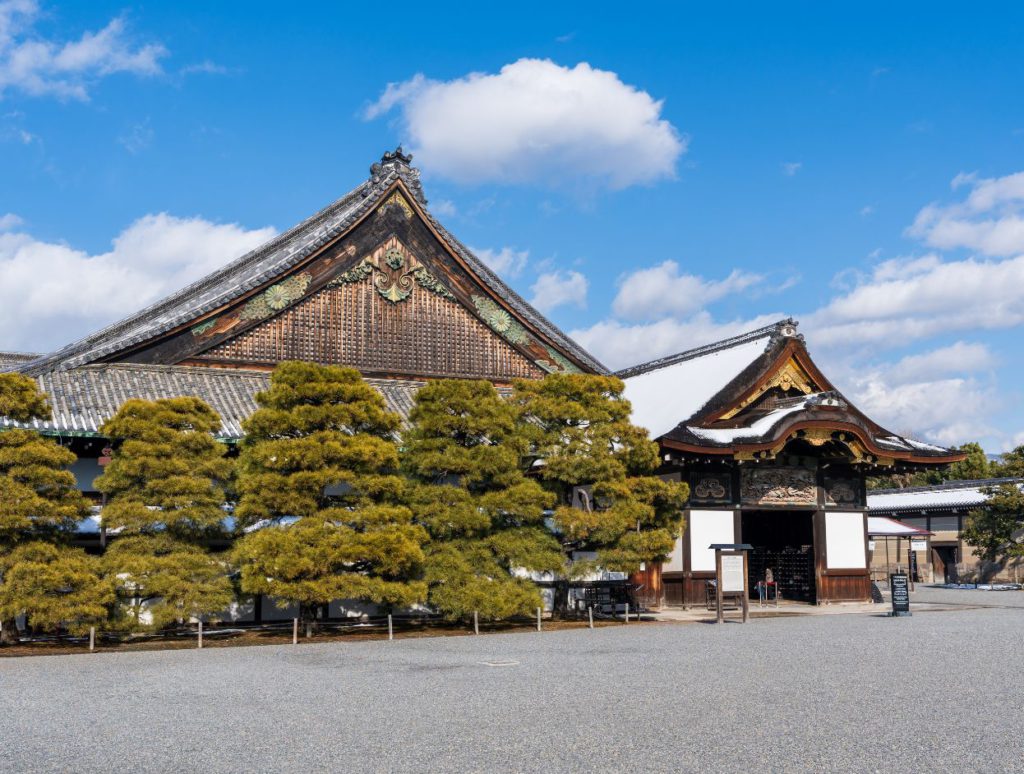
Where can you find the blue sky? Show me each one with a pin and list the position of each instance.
(654, 180)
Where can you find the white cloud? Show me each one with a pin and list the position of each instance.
(867, 210)
(661, 290)
(620, 345)
(444, 207)
(66, 69)
(535, 121)
(557, 288)
(907, 299)
(936, 395)
(507, 261)
(51, 293)
(790, 168)
(989, 220)
(9, 221)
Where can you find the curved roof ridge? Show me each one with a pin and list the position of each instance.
(773, 331)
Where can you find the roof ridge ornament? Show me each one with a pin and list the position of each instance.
(399, 163)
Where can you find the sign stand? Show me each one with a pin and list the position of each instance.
(899, 588)
(731, 570)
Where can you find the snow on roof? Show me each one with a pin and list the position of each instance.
(954, 494)
(881, 526)
(664, 396)
(755, 430)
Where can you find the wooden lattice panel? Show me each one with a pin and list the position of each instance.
(352, 324)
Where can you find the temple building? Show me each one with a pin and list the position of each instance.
(774, 455)
(372, 281)
(939, 512)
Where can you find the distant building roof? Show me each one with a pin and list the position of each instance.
(881, 526)
(952, 495)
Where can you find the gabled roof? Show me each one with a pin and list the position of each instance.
(275, 258)
(948, 496)
(880, 526)
(712, 400)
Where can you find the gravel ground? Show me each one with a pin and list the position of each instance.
(937, 691)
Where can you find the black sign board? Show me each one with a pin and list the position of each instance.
(899, 585)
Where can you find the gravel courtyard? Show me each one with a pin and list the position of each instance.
(938, 691)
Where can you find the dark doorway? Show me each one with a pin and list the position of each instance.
(946, 564)
(783, 542)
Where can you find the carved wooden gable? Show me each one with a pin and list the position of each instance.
(387, 314)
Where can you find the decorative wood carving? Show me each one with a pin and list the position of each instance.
(778, 486)
(710, 488)
(789, 377)
(842, 492)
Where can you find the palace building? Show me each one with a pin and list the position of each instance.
(774, 455)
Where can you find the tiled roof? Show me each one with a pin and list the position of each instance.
(952, 495)
(277, 256)
(83, 398)
(15, 359)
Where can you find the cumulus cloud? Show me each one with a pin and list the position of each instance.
(507, 261)
(9, 221)
(36, 66)
(990, 220)
(558, 288)
(662, 290)
(51, 293)
(937, 395)
(620, 345)
(914, 298)
(535, 121)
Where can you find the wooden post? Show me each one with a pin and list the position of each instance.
(746, 591)
(590, 615)
(718, 584)
(295, 631)
(391, 630)
(92, 638)
(538, 619)
(200, 632)
(476, 623)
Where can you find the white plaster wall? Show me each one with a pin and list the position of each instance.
(707, 528)
(844, 541)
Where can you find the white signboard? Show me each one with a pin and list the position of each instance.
(918, 545)
(732, 573)
(871, 545)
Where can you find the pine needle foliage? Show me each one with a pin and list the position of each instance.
(165, 486)
(163, 581)
(39, 503)
(580, 435)
(168, 471)
(318, 477)
(994, 529)
(38, 495)
(55, 587)
(465, 451)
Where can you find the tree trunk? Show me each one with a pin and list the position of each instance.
(9, 634)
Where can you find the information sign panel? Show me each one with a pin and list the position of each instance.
(899, 585)
(918, 545)
(732, 574)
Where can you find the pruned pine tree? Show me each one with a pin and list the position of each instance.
(996, 530)
(581, 437)
(321, 495)
(39, 504)
(465, 451)
(56, 587)
(165, 489)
